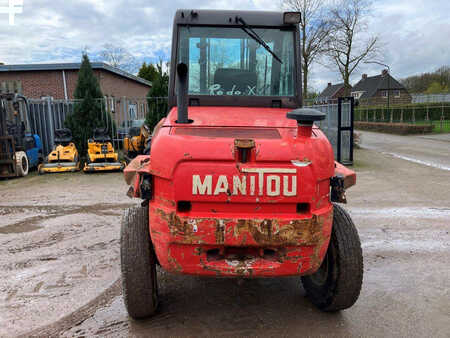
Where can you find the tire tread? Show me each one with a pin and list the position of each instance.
(138, 264)
(347, 283)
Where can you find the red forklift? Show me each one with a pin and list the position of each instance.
(239, 181)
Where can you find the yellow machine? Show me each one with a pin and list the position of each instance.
(136, 141)
(64, 156)
(101, 153)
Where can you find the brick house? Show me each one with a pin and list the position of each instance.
(59, 80)
(333, 92)
(375, 90)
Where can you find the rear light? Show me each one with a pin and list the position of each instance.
(184, 206)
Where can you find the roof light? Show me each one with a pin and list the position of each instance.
(292, 18)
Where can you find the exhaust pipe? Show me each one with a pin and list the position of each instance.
(182, 93)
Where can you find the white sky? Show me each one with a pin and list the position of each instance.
(415, 33)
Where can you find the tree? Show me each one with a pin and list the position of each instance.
(148, 72)
(157, 96)
(346, 48)
(118, 57)
(436, 88)
(88, 112)
(314, 29)
(438, 80)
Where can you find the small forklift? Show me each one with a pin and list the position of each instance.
(239, 181)
(20, 150)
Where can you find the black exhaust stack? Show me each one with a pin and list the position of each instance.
(182, 93)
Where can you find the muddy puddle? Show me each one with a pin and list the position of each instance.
(33, 218)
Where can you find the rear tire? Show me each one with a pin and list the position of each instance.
(22, 164)
(138, 264)
(337, 284)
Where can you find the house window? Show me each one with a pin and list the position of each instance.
(384, 93)
(397, 93)
(357, 95)
(112, 105)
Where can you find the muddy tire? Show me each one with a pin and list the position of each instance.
(22, 164)
(337, 283)
(138, 264)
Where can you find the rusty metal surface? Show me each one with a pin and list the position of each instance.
(239, 246)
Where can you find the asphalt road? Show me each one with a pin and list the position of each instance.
(430, 150)
(400, 206)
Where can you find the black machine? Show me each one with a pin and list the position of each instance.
(19, 149)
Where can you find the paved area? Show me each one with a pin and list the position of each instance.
(430, 150)
(438, 137)
(60, 247)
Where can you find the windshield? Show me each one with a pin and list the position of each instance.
(227, 61)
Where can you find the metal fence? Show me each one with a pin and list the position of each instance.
(46, 115)
(430, 98)
(338, 127)
(435, 114)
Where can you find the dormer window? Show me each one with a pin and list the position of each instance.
(357, 95)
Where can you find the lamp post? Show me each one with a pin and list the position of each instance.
(389, 79)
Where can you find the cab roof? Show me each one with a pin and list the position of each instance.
(228, 18)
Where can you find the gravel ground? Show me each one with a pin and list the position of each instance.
(59, 248)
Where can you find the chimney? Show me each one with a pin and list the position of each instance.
(329, 84)
(385, 72)
(364, 76)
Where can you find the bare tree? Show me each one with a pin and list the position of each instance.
(118, 57)
(314, 29)
(347, 46)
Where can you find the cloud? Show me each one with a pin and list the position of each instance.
(415, 32)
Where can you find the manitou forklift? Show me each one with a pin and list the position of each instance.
(239, 181)
(19, 149)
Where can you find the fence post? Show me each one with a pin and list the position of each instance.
(367, 113)
(442, 117)
(51, 122)
(427, 117)
(339, 122)
(414, 115)
(401, 115)
(392, 115)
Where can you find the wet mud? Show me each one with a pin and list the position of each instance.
(62, 279)
(58, 246)
(402, 214)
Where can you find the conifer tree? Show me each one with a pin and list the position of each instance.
(89, 111)
(157, 97)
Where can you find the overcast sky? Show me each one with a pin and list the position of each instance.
(415, 33)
